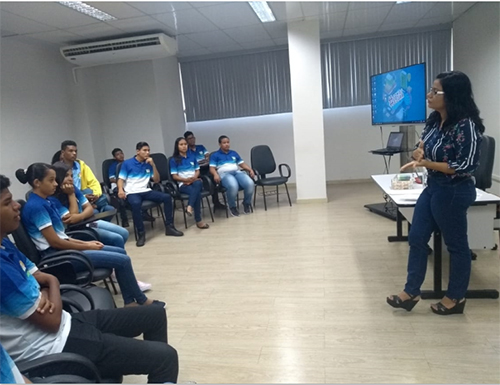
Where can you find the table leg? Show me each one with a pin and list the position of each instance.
(399, 229)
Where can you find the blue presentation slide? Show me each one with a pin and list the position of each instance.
(399, 96)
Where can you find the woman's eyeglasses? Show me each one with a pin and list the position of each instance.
(435, 92)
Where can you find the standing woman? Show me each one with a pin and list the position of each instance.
(185, 171)
(44, 218)
(449, 149)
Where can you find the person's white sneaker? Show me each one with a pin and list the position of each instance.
(144, 286)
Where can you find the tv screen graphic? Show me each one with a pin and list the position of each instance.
(399, 96)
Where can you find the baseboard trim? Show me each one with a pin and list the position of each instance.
(333, 182)
(308, 201)
(496, 178)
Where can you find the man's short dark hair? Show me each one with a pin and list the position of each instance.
(187, 133)
(4, 182)
(67, 143)
(141, 145)
(222, 137)
(115, 151)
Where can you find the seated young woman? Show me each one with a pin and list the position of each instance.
(186, 171)
(44, 217)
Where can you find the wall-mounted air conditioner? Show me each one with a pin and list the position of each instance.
(135, 48)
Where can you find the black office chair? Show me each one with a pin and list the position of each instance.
(145, 206)
(168, 184)
(483, 174)
(263, 163)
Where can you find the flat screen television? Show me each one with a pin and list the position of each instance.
(399, 96)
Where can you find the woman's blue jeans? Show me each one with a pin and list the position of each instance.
(232, 181)
(194, 192)
(110, 234)
(442, 205)
(111, 257)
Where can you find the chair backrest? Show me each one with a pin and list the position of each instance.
(262, 160)
(23, 240)
(483, 174)
(105, 171)
(162, 165)
(169, 174)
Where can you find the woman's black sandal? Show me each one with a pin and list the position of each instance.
(443, 310)
(397, 302)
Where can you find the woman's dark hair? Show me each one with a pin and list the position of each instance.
(141, 145)
(35, 171)
(61, 170)
(56, 157)
(458, 99)
(177, 154)
(222, 137)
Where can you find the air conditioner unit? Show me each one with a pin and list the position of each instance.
(135, 48)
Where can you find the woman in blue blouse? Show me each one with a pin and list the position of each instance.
(43, 217)
(449, 149)
(185, 171)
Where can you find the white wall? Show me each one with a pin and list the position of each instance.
(36, 109)
(349, 136)
(476, 51)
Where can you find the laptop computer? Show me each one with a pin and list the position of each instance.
(394, 144)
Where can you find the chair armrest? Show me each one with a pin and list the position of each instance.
(257, 175)
(65, 288)
(287, 168)
(68, 256)
(60, 364)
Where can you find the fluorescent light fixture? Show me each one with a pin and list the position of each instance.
(88, 10)
(403, 1)
(262, 10)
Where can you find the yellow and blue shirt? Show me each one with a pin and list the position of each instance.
(136, 176)
(186, 168)
(225, 162)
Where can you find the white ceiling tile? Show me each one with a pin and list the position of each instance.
(5, 33)
(258, 44)
(201, 4)
(354, 5)
(449, 9)
(459, 8)
(195, 52)
(186, 21)
(21, 25)
(408, 11)
(331, 34)
(59, 37)
(248, 33)
(430, 21)
(155, 7)
(281, 41)
(186, 44)
(293, 11)
(225, 48)
(230, 15)
(279, 10)
(366, 17)
(332, 22)
(52, 13)
(117, 9)
(138, 24)
(276, 30)
(314, 8)
(359, 31)
(212, 39)
(396, 26)
(96, 30)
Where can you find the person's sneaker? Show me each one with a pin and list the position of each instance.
(113, 277)
(247, 209)
(141, 240)
(234, 212)
(144, 286)
(171, 230)
(159, 303)
(147, 217)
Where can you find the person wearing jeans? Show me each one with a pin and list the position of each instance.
(44, 217)
(133, 185)
(225, 167)
(185, 171)
(449, 149)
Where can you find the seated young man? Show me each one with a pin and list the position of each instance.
(202, 157)
(83, 177)
(133, 185)
(34, 324)
(225, 167)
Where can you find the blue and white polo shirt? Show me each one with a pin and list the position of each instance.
(19, 298)
(9, 373)
(199, 152)
(39, 213)
(136, 176)
(225, 162)
(112, 173)
(186, 168)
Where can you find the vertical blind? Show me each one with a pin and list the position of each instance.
(259, 83)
